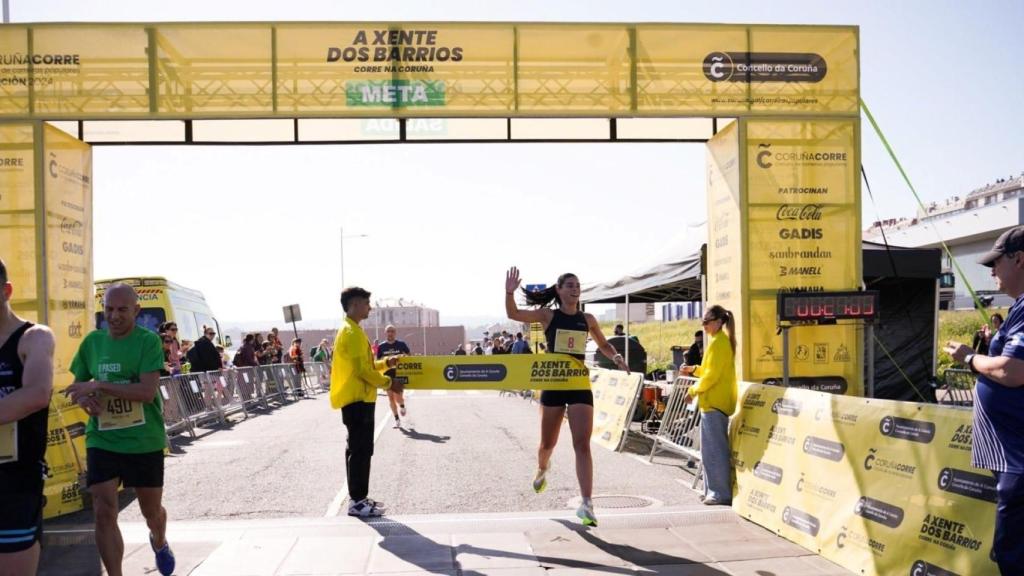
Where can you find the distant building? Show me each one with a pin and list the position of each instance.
(969, 226)
(401, 313)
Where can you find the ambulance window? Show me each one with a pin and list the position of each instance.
(149, 318)
(187, 329)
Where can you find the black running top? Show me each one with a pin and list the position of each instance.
(574, 333)
(31, 429)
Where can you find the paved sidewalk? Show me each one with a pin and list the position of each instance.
(685, 540)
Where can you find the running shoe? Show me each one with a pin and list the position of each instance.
(540, 480)
(377, 504)
(164, 557)
(398, 423)
(586, 513)
(365, 508)
(402, 410)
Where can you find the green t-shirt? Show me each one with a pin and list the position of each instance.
(122, 361)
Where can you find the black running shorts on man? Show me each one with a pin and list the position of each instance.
(145, 470)
(566, 324)
(22, 467)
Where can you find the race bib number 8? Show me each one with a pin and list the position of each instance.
(119, 413)
(9, 443)
(570, 341)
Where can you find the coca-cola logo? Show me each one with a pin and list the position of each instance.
(799, 212)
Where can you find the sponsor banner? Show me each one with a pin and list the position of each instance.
(67, 181)
(502, 372)
(880, 487)
(101, 71)
(802, 222)
(615, 394)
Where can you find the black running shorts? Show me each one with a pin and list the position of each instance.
(21, 520)
(144, 470)
(559, 398)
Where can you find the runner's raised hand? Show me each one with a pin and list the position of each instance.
(512, 280)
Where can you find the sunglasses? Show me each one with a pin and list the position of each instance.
(709, 321)
(210, 333)
(168, 341)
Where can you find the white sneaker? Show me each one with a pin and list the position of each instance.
(365, 508)
(398, 423)
(540, 481)
(586, 513)
(401, 410)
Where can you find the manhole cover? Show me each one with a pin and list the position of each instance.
(622, 502)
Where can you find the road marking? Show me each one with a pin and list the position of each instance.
(439, 392)
(334, 508)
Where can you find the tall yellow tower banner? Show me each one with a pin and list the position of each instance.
(67, 198)
(803, 234)
(787, 218)
(46, 243)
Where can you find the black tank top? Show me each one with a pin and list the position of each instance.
(31, 429)
(570, 326)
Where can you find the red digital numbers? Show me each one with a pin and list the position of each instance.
(836, 306)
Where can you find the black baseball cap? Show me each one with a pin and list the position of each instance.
(1008, 242)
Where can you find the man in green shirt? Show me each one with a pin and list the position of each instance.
(117, 376)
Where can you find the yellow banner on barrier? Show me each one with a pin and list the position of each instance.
(880, 487)
(501, 372)
(615, 394)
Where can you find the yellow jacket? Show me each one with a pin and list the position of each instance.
(716, 389)
(355, 375)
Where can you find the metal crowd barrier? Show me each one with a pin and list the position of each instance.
(191, 400)
(959, 389)
(680, 426)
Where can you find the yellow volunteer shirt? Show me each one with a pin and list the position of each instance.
(716, 389)
(355, 374)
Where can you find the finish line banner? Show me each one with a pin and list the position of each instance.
(876, 486)
(501, 372)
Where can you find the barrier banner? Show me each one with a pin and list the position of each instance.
(438, 69)
(615, 394)
(877, 486)
(501, 372)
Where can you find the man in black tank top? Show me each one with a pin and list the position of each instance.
(26, 381)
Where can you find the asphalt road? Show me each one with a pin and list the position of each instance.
(465, 452)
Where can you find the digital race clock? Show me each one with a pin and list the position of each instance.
(828, 306)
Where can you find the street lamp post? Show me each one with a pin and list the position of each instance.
(342, 250)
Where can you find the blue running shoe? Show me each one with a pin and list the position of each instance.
(164, 557)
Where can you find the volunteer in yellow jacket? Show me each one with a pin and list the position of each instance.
(355, 377)
(716, 394)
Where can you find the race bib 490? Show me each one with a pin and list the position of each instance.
(119, 413)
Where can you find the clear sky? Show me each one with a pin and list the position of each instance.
(255, 228)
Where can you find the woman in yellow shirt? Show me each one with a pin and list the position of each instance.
(716, 394)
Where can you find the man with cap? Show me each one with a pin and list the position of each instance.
(998, 437)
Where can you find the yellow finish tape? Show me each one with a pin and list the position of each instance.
(501, 372)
